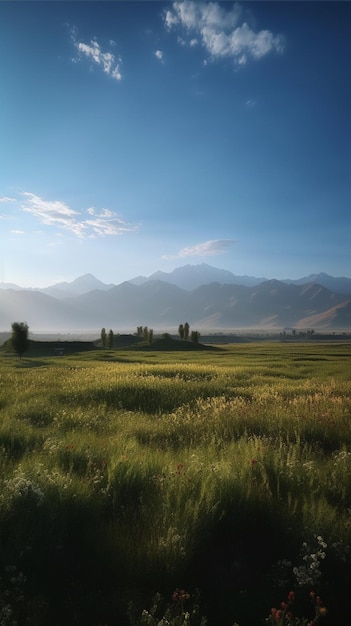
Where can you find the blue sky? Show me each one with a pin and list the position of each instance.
(137, 136)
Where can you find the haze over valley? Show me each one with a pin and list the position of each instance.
(205, 296)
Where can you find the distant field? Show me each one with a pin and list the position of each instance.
(127, 472)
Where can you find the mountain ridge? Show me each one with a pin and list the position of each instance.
(187, 277)
(155, 303)
(87, 303)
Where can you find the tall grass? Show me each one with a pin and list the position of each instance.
(150, 471)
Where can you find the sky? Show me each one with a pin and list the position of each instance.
(141, 136)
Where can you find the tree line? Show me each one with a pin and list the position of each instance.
(20, 341)
(148, 335)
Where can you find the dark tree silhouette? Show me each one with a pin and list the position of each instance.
(110, 338)
(19, 337)
(186, 331)
(195, 336)
(103, 337)
(181, 331)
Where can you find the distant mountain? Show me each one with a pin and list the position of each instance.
(10, 286)
(37, 309)
(192, 276)
(271, 304)
(187, 277)
(82, 284)
(340, 284)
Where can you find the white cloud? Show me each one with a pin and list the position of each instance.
(107, 60)
(170, 19)
(106, 222)
(207, 248)
(17, 232)
(159, 55)
(56, 213)
(222, 32)
(6, 199)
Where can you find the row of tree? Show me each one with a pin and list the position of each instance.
(147, 333)
(106, 338)
(184, 333)
(20, 341)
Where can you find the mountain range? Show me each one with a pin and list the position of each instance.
(205, 296)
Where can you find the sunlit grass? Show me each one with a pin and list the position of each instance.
(158, 458)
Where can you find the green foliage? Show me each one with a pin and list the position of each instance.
(195, 336)
(19, 337)
(103, 337)
(110, 339)
(186, 331)
(213, 469)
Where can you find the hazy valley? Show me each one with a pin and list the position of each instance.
(204, 296)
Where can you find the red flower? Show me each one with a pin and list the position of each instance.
(291, 596)
(181, 595)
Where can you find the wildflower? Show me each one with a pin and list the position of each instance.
(181, 595)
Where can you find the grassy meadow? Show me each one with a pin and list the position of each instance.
(126, 473)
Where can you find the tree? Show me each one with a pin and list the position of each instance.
(103, 337)
(19, 337)
(186, 331)
(181, 331)
(110, 338)
(195, 335)
(151, 336)
(146, 333)
(139, 331)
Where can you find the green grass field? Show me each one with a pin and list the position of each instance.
(125, 473)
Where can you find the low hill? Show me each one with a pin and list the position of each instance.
(172, 345)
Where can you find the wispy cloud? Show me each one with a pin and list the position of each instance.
(106, 222)
(223, 33)
(6, 199)
(207, 248)
(58, 214)
(109, 63)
